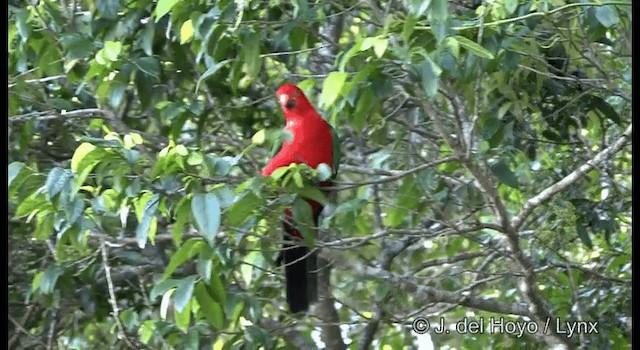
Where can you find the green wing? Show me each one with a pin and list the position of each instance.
(337, 153)
(280, 138)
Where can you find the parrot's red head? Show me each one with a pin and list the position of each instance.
(293, 101)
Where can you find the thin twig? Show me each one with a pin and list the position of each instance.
(112, 295)
(550, 191)
(20, 328)
(49, 115)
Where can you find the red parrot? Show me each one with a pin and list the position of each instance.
(313, 141)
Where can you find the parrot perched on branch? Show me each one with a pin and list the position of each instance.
(313, 142)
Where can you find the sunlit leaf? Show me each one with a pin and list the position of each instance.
(206, 213)
(143, 231)
(183, 293)
(163, 7)
(331, 88)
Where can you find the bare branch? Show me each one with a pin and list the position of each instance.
(20, 328)
(538, 310)
(112, 295)
(40, 80)
(49, 115)
(391, 250)
(396, 176)
(287, 53)
(292, 336)
(550, 191)
(432, 295)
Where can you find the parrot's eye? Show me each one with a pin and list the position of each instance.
(290, 104)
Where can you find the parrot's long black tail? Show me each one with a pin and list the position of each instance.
(300, 268)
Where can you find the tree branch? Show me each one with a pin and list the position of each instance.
(112, 295)
(392, 250)
(538, 309)
(292, 336)
(50, 115)
(550, 191)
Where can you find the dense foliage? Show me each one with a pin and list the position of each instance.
(486, 172)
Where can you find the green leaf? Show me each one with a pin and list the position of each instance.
(112, 50)
(453, 45)
(150, 66)
(164, 304)
(430, 73)
(314, 193)
(37, 280)
(145, 227)
(30, 205)
(607, 15)
(331, 88)
(259, 137)
(303, 217)
(74, 211)
(50, 278)
(129, 319)
(583, 233)
(297, 37)
(163, 7)
(210, 72)
(501, 170)
(510, 6)
(350, 54)
(204, 266)
(211, 310)
(473, 47)
(147, 38)
(379, 45)
(353, 205)
(409, 25)
(278, 173)
(219, 165)
(24, 29)
(44, 226)
(297, 179)
(490, 127)
(337, 151)
(217, 288)
(14, 170)
(108, 8)
(181, 217)
(364, 105)
(503, 109)
(195, 158)
(438, 10)
(186, 32)
(183, 293)
(597, 103)
(56, 180)
(162, 287)
(418, 7)
(241, 210)
(206, 213)
(181, 150)
(81, 152)
(246, 269)
(182, 319)
(116, 93)
(407, 199)
(146, 330)
(187, 251)
(251, 51)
